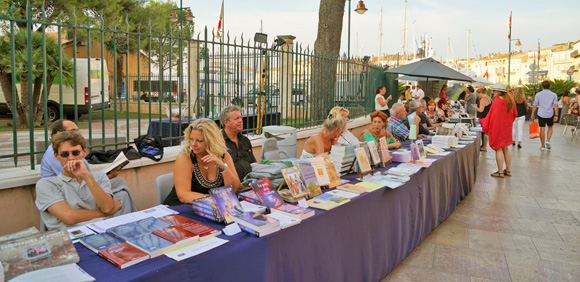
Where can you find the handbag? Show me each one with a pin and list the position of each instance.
(534, 130)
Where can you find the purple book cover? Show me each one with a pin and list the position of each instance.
(269, 196)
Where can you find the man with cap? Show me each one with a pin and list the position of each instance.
(546, 102)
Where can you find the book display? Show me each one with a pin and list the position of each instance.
(385, 156)
(374, 152)
(295, 183)
(333, 175)
(227, 203)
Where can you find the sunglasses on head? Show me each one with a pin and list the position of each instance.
(66, 154)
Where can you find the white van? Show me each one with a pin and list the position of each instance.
(98, 97)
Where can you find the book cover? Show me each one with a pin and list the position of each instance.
(332, 198)
(333, 177)
(320, 204)
(320, 171)
(250, 196)
(267, 195)
(127, 231)
(120, 162)
(203, 231)
(294, 211)
(226, 202)
(256, 221)
(307, 171)
(353, 188)
(295, 182)
(177, 235)
(384, 148)
(99, 242)
(287, 195)
(151, 224)
(250, 207)
(37, 251)
(362, 160)
(285, 221)
(206, 202)
(259, 234)
(152, 244)
(374, 152)
(124, 255)
(344, 194)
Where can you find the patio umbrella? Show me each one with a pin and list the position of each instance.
(430, 69)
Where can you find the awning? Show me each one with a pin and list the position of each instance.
(542, 72)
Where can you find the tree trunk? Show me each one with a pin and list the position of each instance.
(6, 84)
(36, 96)
(326, 49)
(120, 82)
(22, 108)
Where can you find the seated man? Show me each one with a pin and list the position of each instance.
(414, 117)
(239, 146)
(50, 166)
(396, 126)
(75, 195)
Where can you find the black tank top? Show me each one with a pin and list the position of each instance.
(198, 183)
(521, 108)
(485, 110)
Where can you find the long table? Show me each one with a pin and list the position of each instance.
(362, 240)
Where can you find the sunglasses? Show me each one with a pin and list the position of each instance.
(66, 154)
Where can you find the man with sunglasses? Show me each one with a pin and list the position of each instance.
(50, 166)
(75, 195)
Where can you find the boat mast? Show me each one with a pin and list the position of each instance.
(405, 32)
(380, 33)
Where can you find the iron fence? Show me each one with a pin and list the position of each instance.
(116, 90)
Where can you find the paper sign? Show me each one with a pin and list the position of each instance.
(232, 229)
(413, 132)
(197, 248)
(302, 203)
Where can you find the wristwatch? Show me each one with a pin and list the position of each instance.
(223, 167)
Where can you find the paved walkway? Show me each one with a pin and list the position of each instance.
(521, 228)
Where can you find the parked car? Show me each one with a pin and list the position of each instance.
(155, 97)
(272, 98)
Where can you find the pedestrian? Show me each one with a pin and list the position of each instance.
(408, 93)
(522, 108)
(565, 102)
(419, 94)
(546, 102)
(482, 107)
(382, 104)
(470, 99)
(499, 122)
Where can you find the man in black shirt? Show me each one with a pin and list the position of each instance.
(239, 146)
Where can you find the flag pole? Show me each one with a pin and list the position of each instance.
(509, 49)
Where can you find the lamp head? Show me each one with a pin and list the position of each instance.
(189, 15)
(518, 43)
(261, 38)
(360, 8)
(173, 17)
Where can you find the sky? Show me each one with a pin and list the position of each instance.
(550, 22)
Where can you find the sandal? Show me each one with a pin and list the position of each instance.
(481, 149)
(507, 172)
(497, 174)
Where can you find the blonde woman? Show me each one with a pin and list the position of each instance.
(521, 107)
(322, 142)
(202, 164)
(346, 137)
(482, 108)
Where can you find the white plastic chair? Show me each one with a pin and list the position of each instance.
(164, 185)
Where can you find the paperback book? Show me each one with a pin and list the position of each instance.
(384, 149)
(353, 188)
(250, 207)
(321, 204)
(333, 176)
(124, 255)
(344, 194)
(256, 221)
(295, 182)
(293, 211)
(120, 162)
(153, 244)
(226, 202)
(37, 251)
(285, 221)
(127, 231)
(267, 195)
(332, 198)
(203, 231)
(257, 233)
(250, 196)
(99, 242)
(362, 160)
(376, 159)
(177, 235)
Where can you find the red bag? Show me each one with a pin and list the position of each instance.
(534, 130)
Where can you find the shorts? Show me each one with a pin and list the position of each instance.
(543, 121)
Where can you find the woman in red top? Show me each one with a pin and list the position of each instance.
(499, 123)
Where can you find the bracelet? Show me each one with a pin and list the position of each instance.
(223, 167)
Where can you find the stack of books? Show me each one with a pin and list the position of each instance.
(401, 156)
(250, 196)
(342, 156)
(442, 141)
(227, 203)
(275, 203)
(257, 224)
(206, 208)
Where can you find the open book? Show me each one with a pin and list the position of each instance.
(121, 161)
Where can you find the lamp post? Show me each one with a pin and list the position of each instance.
(174, 18)
(360, 9)
(518, 43)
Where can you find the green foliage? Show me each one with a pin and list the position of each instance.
(401, 88)
(557, 86)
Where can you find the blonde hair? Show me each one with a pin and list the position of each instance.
(334, 121)
(339, 111)
(214, 140)
(519, 95)
(481, 90)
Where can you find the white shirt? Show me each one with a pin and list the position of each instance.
(378, 106)
(419, 94)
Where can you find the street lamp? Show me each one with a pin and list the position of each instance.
(518, 43)
(173, 18)
(360, 9)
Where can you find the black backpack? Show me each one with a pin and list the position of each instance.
(150, 146)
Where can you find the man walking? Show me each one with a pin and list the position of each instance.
(546, 102)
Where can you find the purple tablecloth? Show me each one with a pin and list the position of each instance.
(362, 240)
